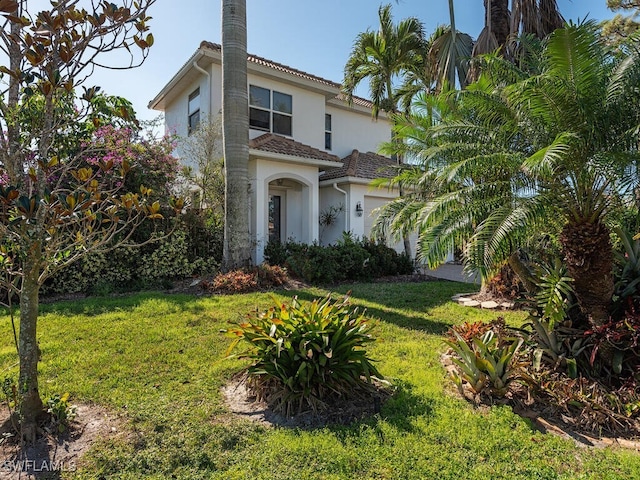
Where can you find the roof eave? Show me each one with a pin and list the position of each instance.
(346, 179)
(255, 153)
(342, 104)
(159, 102)
(328, 91)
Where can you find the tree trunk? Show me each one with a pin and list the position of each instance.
(30, 402)
(589, 259)
(235, 121)
(523, 273)
(500, 25)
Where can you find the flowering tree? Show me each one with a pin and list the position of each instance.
(61, 198)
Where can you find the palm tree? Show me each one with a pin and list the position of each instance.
(235, 120)
(527, 17)
(382, 57)
(450, 53)
(496, 27)
(536, 17)
(446, 61)
(516, 151)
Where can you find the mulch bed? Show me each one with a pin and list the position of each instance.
(340, 411)
(545, 418)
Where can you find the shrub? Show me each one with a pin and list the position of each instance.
(384, 261)
(348, 260)
(95, 272)
(192, 248)
(305, 354)
(168, 259)
(276, 252)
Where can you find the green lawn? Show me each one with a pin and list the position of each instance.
(158, 360)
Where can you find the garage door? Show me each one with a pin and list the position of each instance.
(370, 204)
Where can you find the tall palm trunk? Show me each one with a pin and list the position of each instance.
(499, 21)
(400, 160)
(589, 258)
(235, 135)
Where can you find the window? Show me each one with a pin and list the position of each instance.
(327, 132)
(275, 220)
(270, 111)
(193, 110)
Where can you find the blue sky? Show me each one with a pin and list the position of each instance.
(312, 35)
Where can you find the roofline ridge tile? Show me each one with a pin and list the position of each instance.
(295, 71)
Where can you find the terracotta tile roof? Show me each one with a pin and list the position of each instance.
(362, 165)
(363, 102)
(292, 71)
(270, 142)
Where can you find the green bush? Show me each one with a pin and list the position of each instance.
(303, 355)
(384, 261)
(168, 259)
(95, 273)
(276, 252)
(192, 248)
(348, 260)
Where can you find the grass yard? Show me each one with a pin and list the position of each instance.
(158, 361)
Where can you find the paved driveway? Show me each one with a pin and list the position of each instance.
(452, 271)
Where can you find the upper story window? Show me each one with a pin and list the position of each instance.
(270, 110)
(327, 131)
(193, 110)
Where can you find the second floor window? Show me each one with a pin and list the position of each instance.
(270, 111)
(193, 110)
(327, 131)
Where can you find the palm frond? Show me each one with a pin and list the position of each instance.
(545, 162)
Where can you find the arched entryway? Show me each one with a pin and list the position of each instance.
(288, 210)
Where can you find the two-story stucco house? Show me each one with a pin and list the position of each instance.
(309, 149)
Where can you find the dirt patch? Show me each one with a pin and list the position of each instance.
(341, 411)
(53, 454)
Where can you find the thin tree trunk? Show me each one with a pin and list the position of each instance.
(30, 402)
(235, 121)
(13, 163)
(453, 54)
(400, 160)
(523, 273)
(589, 259)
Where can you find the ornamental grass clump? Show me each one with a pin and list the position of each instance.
(305, 355)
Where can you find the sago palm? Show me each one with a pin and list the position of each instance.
(516, 151)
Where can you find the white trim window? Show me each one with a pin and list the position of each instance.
(193, 110)
(270, 111)
(327, 131)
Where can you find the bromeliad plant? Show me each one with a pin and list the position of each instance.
(487, 362)
(305, 354)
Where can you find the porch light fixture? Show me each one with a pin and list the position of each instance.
(359, 209)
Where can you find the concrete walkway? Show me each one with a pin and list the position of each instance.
(453, 272)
